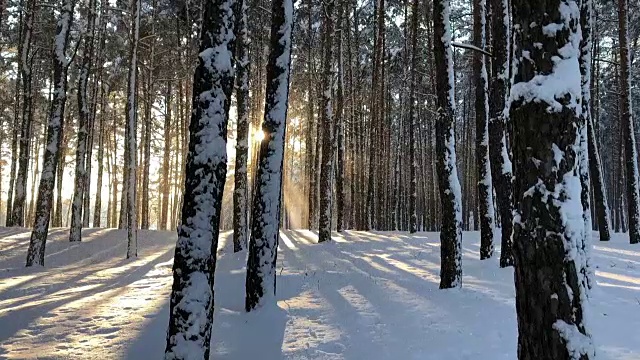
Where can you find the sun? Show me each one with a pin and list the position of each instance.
(258, 136)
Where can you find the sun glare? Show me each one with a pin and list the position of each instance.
(258, 136)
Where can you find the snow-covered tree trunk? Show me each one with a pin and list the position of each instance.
(26, 67)
(327, 122)
(450, 192)
(241, 188)
(97, 212)
(131, 161)
(75, 233)
(191, 307)
(551, 259)
(413, 163)
(339, 122)
(626, 116)
(265, 219)
(501, 171)
(166, 158)
(35, 254)
(484, 185)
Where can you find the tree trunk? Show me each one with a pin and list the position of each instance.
(35, 255)
(83, 119)
(241, 188)
(26, 63)
(413, 141)
(166, 163)
(501, 168)
(261, 264)
(131, 161)
(450, 196)
(484, 185)
(550, 240)
(631, 153)
(327, 122)
(340, 123)
(191, 307)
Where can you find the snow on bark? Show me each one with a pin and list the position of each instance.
(484, 186)
(75, 233)
(131, 138)
(626, 115)
(191, 307)
(241, 189)
(501, 172)
(26, 65)
(450, 192)
(35, 254)
(327, 123)
(550, 239)
(413, 144)
(261, 264)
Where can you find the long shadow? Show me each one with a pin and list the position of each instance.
(17, 320)
(388, 291)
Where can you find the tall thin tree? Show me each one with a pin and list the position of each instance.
(484, 185)
(265, 219)
(61, 62)
(501, 167)
(327, 122)
(191, 307)
(450, 192)
(241, 189)
(131, 161)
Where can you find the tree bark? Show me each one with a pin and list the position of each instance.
(550, 239)
(450, 195)
(35, 254)
(191, 307)
(626, 115)
(484, 182)
(131, 161)
(75, 233)
(241, 188)
(327, 122)
(501, 168)
(261, 264)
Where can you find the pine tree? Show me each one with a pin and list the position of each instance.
(327, 122)
(501, 171)
(261, 264)
(413, 163)
(26, 67)
(450, 193)
(626, 116)
(83, 119)
(131, 159)
(550, 249)
(191, 307)
(241, 189)
(35, 254)
(484, 185)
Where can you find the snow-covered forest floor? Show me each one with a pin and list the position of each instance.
(364, 296)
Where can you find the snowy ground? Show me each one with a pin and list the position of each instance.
(364, 296)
